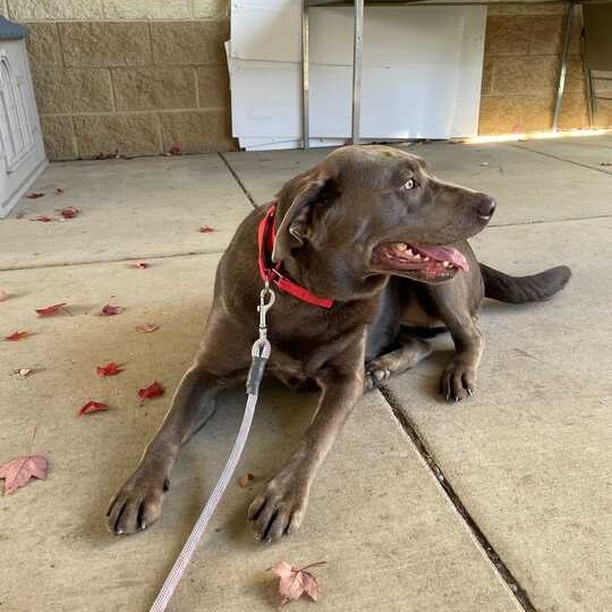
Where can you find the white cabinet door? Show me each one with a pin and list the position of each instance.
(22, 155)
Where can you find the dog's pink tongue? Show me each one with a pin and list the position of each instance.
(445, 253)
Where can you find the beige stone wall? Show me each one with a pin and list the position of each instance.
(143, 76)
(137, 76)
(523, 47)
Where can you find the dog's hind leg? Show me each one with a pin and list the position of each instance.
(406, 356)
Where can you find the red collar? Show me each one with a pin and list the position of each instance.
(266, 234)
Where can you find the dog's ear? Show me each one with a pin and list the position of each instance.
(295, 204)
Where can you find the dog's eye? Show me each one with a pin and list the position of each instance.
(409, 184)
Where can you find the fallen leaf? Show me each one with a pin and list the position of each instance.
(58, 191)
(92, 406)
(295, 582)
(141, 265)
(173, 151)
(110, 311)
(18, 335)
(245, 481)
(147, 328)
(18, 472)
(22, 373)
(152, 391)
(205, 229)
(69, 212)
(110, 369)
(43, 218)
(114, 155)
(47, 311)
(3, 296)
(33, 195)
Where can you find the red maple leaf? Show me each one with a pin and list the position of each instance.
(110, 369)
(147, 328)
(109, 311)
(18, 335)
(33, 195)
(141, 265)
(43, 218)
(150, 392)
(206, 229)
(18, 472)
(58, 191)
(51, 310)
(3, 296)
(295, 582)
(92, 406)
(70, 212)
(174, 150)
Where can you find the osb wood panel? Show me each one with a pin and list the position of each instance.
(523, 48)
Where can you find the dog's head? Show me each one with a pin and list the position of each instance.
(367, 212)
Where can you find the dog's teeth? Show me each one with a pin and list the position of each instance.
(417, 257)
(426, 259)
(446, 264)
(400, 246)
(409, 252)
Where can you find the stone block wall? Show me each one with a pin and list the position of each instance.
(136, 76)
(143, 76)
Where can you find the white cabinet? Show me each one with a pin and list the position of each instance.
(22, 153)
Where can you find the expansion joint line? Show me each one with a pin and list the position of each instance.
(242, 186)
(561, 159)
(516, 589)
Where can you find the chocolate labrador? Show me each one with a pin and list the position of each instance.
(360, 250)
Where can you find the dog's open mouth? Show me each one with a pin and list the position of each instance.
(422, 262)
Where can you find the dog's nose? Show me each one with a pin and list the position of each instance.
(486, 207)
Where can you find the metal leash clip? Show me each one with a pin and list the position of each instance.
(261, 347)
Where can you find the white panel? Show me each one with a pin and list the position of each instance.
(266, 30)
(421, 78)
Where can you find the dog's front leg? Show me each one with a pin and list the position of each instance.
(138, 503)
(280, 508)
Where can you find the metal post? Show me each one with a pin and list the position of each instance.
(357, 63)
(569, 16)
(305, 73)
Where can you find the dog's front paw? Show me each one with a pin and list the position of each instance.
(279, 510)
(457, 382)
(137, 504)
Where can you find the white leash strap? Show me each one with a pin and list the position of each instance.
(260, 353)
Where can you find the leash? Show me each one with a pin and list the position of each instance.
(260, 352)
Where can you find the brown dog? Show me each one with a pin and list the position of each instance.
(373, 244)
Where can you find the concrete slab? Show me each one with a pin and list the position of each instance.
(390, 537)
(592, 151)
(529, 453)
(135, 208)
(528, 187)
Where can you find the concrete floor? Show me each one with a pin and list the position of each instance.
(414, 491)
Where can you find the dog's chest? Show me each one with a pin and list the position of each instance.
(414, 314)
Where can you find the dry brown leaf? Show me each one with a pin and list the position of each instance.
(245, 481)
(17, 473)
(295, 582)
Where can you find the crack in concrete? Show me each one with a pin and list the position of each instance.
(563, 159)
(409, 429)
(539, 221)
(241, 184)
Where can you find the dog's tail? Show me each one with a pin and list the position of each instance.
(521, 289)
